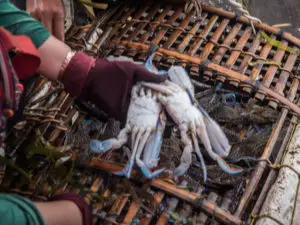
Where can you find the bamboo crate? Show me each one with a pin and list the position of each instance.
(215, 49)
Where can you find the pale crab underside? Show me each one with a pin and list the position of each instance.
(179, 102)
(146, 124)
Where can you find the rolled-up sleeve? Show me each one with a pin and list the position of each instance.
(19, 22)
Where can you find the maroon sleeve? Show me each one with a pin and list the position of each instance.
(84, 208)
(105, 83)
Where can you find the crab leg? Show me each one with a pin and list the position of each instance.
(201, 131)
(150, 67)
(110, 144)
(135, 137)
(186, 157)
(151, 151)
(153, 146)
(161, 88)
(179, 76)
(198, 151)
(140, 163)
(219, 141)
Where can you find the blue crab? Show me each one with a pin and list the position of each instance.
(177, 97)
(146, 122)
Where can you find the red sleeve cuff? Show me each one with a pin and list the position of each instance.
(84, 208)
(76, 73)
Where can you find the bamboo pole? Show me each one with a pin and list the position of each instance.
(190, 197)
(220, 69)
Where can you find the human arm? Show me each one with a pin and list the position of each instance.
(65, 209)
(59, 213)
(106, 84)
(75, 211)
(50, 13)
(52, 51)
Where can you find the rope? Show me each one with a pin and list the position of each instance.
(279, 44)
(257, 217)
(278, 167)
(239, 7)
(194, 4)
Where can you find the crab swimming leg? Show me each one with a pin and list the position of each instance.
(140, 163)
(202, 133)
(153, 145)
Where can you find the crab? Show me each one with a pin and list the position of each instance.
(146, 122)
(193, 122)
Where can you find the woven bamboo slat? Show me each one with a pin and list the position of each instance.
(217, 48)
(219, 39)
(125, 206)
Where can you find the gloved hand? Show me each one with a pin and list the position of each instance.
(105, 83)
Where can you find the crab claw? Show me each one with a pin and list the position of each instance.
(126, 172)
(150, 67)
(101, 146)
(226, 168)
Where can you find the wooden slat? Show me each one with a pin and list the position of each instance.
(283, 78)
(187, 39)
(268, 78)
(205, 33)
(247, 58)
(222, 50)
(236, 53)
(177, 32)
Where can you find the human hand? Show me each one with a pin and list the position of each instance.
(50, 13)
(105, 83)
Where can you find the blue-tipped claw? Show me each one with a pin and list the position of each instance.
(100, 146)
(147, 173)
(126, 172)
(226, 168)
(150, 67)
